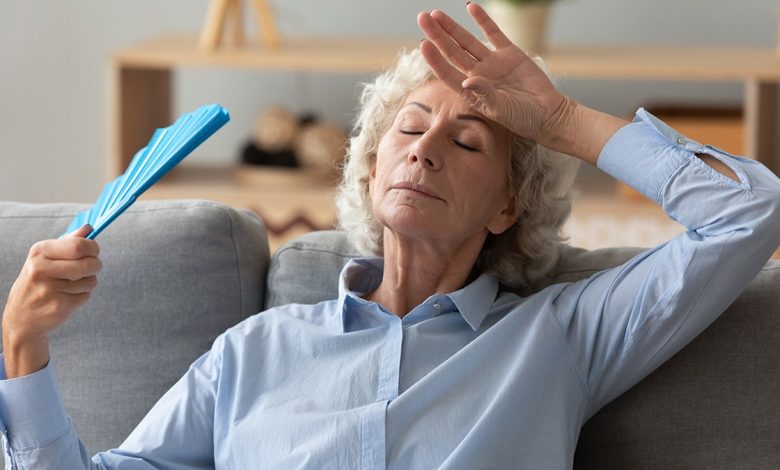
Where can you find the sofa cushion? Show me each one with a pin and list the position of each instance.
(713, 405)
(175, 275)
(315, 259)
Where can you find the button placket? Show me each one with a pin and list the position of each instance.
(389, 371)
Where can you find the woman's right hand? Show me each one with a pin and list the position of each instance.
(56, 279)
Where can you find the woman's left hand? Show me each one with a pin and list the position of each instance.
(507, 86)
(503, 84)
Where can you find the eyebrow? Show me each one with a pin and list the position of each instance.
(467, 117)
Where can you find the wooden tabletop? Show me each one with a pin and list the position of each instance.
(359, 54)
(665, 62)
(313, 54)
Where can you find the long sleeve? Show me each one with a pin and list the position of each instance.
(177, 433)
(622, 323)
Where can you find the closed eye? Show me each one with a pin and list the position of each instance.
(458, 143)
(464, 146)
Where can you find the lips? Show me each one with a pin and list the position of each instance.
(417, 188)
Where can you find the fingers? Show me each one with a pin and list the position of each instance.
(443, 70)
(479, 86)
(81, 286)
(57, 278)
(67, 248)
(481, 95)
(51, 310)
(492, 32)
(82, 231)
(69, 259)
(460, 35)
(446, 44)
(70, 270)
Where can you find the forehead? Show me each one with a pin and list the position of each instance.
(442, 99)
(435, 94)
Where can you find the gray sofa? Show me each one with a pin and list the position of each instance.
(178, 273)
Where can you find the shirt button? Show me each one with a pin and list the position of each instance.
(437, 305)
(681, 141)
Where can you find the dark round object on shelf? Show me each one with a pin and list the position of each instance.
(252, 155)
(308, 117)
(320, 147)
(274, 129)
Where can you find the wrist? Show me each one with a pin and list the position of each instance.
(580, 131)
(561, 125)
(23, 356)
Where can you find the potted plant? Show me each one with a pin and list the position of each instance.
(523, 21)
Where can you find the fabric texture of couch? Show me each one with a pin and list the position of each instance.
(178, 273)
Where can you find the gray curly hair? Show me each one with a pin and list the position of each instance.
(522, 255)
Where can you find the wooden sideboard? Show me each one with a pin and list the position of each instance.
(142, 90)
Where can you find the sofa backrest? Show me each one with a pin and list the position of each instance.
(175, 275)
(714, 405)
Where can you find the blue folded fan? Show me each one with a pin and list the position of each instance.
(167, 147)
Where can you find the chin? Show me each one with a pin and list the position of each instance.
(411, 222)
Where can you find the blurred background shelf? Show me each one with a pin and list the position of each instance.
(142, 77)
(325, 54)
(292, 202)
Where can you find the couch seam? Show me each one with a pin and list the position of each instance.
(133, 210)
(273, 267)
(318, 250)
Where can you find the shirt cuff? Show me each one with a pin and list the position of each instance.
(31, 410)
(646, 153)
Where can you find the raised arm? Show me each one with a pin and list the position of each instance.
(505, 84)
(622, 323)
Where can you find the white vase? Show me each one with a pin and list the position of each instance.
(524, 24)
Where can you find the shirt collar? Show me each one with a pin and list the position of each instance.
(474, 300)
(363, 275)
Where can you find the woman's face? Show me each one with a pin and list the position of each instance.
(441, 170)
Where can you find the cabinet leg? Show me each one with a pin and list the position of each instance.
(762, 122)
(141, 104)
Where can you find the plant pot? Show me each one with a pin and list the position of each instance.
(524, 24)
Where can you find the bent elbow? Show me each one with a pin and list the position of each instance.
(774, 215)
(768, 225)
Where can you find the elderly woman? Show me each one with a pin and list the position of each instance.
(427, 358)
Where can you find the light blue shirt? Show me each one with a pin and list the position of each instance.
(478, 378)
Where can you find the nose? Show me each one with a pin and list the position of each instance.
(426, 151)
